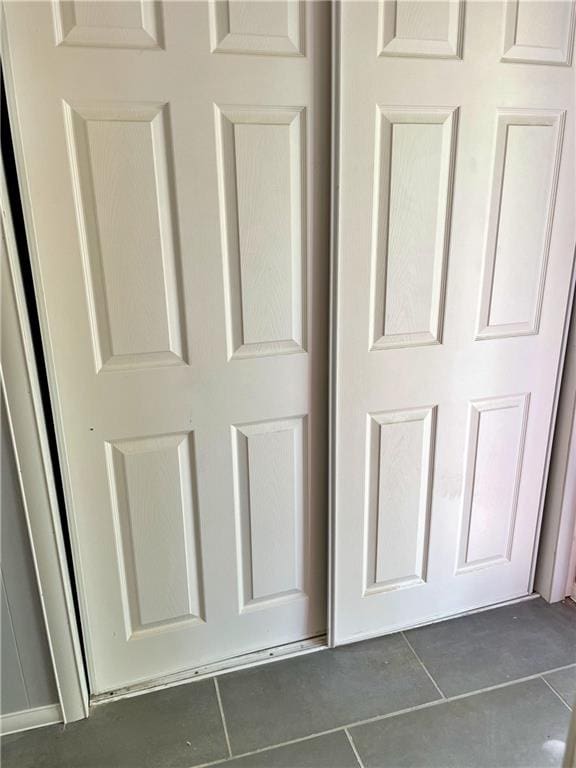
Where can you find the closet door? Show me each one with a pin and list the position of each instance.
(174, 162)
(456, 246)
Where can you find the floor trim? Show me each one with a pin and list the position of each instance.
(27, 719)
(254, 659)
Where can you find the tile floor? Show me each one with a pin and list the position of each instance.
(491, 689)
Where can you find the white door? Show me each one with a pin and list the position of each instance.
(175, 163)
(456, 242)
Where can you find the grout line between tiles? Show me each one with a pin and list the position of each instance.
(349, 737)
(435, 684)
(377, 718)
(555, 692)
(223, 716)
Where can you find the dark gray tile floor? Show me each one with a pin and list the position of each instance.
(518, 725)
(173, 728)
(333, 749)
(314, 693)
(416, 699)
(492, 647)
(564, 682)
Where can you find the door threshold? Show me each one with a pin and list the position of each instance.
(253, 659)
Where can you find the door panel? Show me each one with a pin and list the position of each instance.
(178, 198)
(539, 32)
(456, 241)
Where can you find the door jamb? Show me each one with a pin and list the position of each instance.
(25, 414)
(27, 419)
(558, 531)
(333, 313)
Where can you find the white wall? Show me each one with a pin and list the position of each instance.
(27, 679)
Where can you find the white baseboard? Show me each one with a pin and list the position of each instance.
(30, 718)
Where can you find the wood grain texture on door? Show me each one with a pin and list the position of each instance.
(456, 244)
(179, 195)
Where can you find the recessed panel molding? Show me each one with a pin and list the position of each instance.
(520, 217)
(539, 32)
(399, 469)
(261, 170)
(108, 24)
(492, 476)
(271, 504)
(122, 172)
(420, 28)
(413, 179)
(155, 514)
(265, 28)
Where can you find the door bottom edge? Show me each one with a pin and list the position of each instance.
(371, 635)
(205, 671)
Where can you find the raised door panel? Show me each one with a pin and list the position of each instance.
(268, 27)
(520, 218)
(122, 173)
(414, 158)
(154, 501)
(271, 511)
(110, 24)
(399, 457)
(493, 470)
(261, 153)
(539, 31)
(420, 28)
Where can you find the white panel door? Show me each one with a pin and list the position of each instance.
(456, 243)
(175, 163)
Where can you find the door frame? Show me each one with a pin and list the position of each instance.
(27, 427)
(27, 423)
(557, 550)
(333, 312)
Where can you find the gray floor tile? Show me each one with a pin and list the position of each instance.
(495, 646)
(564, 681)
(523, 724)
(302, 696)
(175, 728)
(330, 751)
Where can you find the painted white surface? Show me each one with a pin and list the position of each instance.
(267, 27)
(420, 28)
(177, 211)
(571, 581)
(556, 566)
(27, 679)
(398, 497)
(481, 218)
(413, 169)
(39, 522)
(27, 719)
(134, 24)
(539, 32)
